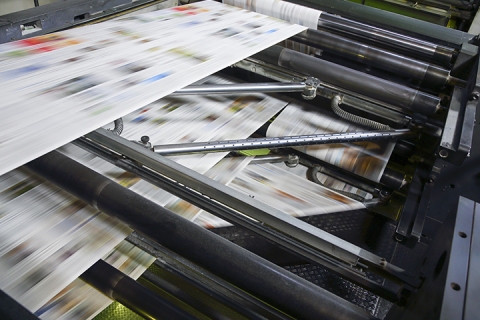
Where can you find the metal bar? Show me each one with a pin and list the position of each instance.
(278, 142)
(118, 286)
(311, 236)
(285, 241)
(271, 158)
(240, 88)
(421, 214)
(242, 268)
(389, 92)
(410, 208)
(428, 74)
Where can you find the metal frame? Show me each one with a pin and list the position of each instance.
(64, 14)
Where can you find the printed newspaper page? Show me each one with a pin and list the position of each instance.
(284, 191)
(57, 87)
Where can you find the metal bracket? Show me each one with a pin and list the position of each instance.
(310, 91)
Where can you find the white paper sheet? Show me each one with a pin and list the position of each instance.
(283, 10)
(57, 87)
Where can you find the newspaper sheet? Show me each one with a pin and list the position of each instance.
(48, 238)
(282, 190)
(195, 119)
(286, 11)
(367, 159)
(80, 301)
(57, 87)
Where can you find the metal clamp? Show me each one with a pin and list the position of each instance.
(310, 91)
(292, 160)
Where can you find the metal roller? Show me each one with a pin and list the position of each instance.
(412, 46)
(118, 286)
(361, 83)
(428, 74)
(265, 280)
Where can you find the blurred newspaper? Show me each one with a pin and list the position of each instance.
(279, 189)
(57, 87)
(49, 237)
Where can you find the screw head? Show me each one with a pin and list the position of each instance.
(145, 139)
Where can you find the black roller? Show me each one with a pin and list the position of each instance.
(392, 178)
(356, 81)
(428, 74)
(261, 278)
(388, 39)
(120, 287)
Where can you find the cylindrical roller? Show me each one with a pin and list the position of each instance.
(416, 47)
(428, 74)
(259, 277)
(393, 179)
(356, 81)
(120, 287)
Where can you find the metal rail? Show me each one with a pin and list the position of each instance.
(231, 215)
(288, 225)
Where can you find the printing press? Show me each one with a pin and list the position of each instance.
(410, 253)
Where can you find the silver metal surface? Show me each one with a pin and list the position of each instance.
(473, 287)
(271, 158)
(456, 282)
(240, 88)
(278, 220)
(278, 142)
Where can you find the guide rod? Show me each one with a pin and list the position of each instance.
(278, 142)
(240, 88)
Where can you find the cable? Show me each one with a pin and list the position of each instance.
(336, 100)
(118, 127)
(312, 175)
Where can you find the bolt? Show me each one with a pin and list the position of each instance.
(145, 139)
(443, 153)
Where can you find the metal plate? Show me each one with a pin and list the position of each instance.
(366, 230)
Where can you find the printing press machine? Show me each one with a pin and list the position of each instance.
(412, 254)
